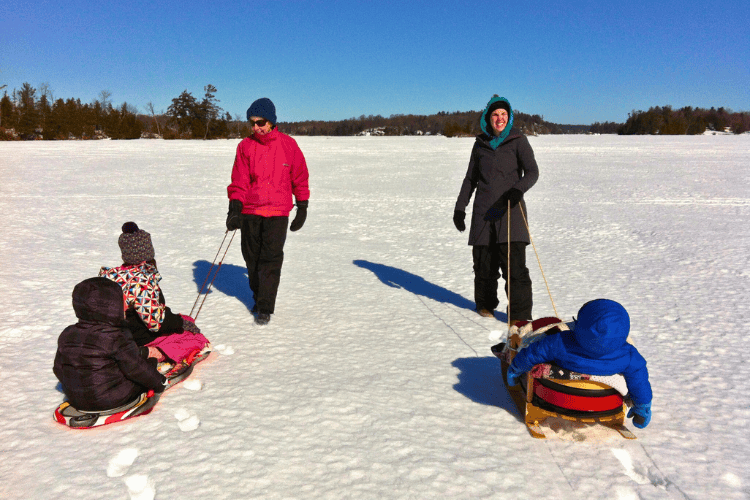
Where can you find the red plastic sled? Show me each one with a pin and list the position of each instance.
(143, 405)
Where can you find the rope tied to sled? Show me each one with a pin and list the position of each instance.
(210, 270)
(537, 259)
(508, 267)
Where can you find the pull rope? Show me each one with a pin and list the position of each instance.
(537, 259)
(216, 273)
(200, 290)
(508, 268)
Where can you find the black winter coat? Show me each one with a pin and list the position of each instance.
(491, 173)
(97, 361)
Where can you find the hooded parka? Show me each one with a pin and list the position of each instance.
(492, 172)
(597, 345)
(97, 361)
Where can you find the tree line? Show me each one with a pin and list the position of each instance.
(684, 121)
(31, 113)
(450, 124)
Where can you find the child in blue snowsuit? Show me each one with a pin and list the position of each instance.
(597, 345)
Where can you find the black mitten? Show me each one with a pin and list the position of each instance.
(234, 220)
(514, 196)
(458, 220)
(299, 219)
(498, 209)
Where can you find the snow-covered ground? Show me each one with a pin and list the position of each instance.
(375, 378)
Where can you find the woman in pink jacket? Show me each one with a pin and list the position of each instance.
(268, 169)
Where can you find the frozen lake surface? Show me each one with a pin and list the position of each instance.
(375, 378)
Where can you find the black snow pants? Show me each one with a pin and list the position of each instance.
(263, 241)
(489, 260)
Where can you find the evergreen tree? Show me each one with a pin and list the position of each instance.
(44, 114)
(28, 116)
(209, 110)
(6, 111)
(182, 113)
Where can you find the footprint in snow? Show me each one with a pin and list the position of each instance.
(140, 487)
(223, 349)
(120, 464)
(185, 421)
(496, 335)
(192, 384)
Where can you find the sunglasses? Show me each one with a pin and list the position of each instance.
(261, 123)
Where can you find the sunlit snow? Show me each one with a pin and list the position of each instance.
(375, 378)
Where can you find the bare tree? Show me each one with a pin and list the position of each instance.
(238, 121)
(105, 99)
(46, 91)
(150, 108)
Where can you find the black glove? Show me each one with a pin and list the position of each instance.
(189, 326)
(234, 221)
(299, 219)
(458, 220)
(164, 384)
(497, 210)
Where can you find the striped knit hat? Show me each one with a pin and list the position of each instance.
(135, 244)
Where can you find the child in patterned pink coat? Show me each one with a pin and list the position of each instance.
(168, 336)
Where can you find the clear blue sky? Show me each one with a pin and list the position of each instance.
(572, 62)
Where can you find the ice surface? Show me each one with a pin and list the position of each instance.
(374, 378)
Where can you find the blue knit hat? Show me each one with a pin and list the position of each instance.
(264, 108)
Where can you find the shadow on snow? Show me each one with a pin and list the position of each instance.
(231, 280)
(481, 380)
(398, 278)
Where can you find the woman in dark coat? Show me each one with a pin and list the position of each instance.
(98, 363)
(501, 169)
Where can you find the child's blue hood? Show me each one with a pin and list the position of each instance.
(602, 327)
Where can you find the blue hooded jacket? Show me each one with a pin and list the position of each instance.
(597, 345)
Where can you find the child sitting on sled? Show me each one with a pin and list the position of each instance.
(596, 345)
(169, 337)
(98, 364)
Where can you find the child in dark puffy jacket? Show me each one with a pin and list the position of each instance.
(597, 345)
(98, 363)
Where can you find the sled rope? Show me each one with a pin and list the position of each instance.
(216, 273)
(200, 290)
(508, 267)
(537, 259)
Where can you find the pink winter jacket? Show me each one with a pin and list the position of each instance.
(267, 170)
